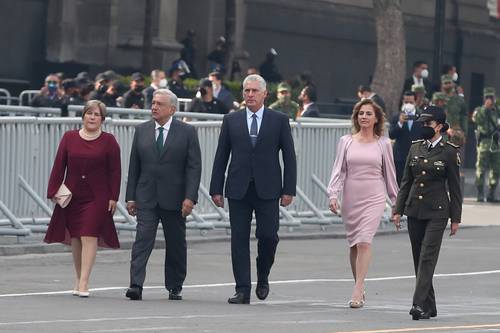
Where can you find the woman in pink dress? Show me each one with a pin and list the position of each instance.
(364, 173)
(88, 163)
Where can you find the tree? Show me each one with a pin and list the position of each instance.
(390, 68)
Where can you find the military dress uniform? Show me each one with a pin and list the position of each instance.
(424, 199)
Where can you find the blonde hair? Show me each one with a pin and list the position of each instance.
(94, 103)
(378, 128)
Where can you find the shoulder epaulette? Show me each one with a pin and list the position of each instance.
(417, 141)
(453, 144)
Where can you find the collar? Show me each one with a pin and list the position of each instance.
(417, 80)
(308, 105)
(259, 113)
(434, 144)
(217, 91)
(166, 127)
(155, 87)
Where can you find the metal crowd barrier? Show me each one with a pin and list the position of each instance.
(5, 96)
(28, 146)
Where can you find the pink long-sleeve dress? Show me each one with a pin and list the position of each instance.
(364, 173)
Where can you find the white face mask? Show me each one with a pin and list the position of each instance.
(454, 77)
(425, 73)
(163, 83)
(408, 108)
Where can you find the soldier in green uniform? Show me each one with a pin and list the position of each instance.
(421, 102)
(432, 166)
(456, 111)
(439, 99)
(487, 119)
(284, 103)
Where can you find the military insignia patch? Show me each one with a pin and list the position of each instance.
(440, 163)
(458, 159)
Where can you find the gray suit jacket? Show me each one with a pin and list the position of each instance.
(168, 177)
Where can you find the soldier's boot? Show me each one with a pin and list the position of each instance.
(480, 194)
(491, 195)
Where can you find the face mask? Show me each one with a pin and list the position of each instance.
(425, 73)
(427, 132)
(52, 87)
(138, 88)
(408, 108)
(454, 77)
(203, 91)
(103, 88)
(163, 83)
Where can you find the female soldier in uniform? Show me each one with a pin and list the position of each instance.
(431, 167)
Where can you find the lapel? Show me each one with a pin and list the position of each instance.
(243, 127)
(151, 136)
(170, 137)
(436, 150)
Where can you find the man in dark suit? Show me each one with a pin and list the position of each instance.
(404, 129)
(419, 77)
(163, 180)
(254, 137)
(366, 92)
(308, 98)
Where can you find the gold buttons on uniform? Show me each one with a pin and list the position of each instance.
(425, 161)
(440, 207)
(423, 172)
(420, 197)
(421, 184)
(438, 168)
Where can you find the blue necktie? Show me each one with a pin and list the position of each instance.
(253, 130)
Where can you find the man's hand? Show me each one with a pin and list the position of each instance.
(454, 228)
(403, 117)
(396, 219)
(218, 200)
(112, 207)
(131, 208)
(286, 200)
(187, 207)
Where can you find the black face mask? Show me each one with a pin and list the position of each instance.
(138, 88)
(103, 88)
(427, 132)
(203, 91)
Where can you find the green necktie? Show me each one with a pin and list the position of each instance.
(159, 140)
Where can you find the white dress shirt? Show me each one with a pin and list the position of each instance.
(166, 128)
(259, 114)
(418, 81)
(435, 142)
(305, 107)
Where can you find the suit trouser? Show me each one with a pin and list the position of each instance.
(267, 220)
(426, 237)
(174, 231)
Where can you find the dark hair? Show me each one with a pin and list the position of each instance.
(419, 63)
(311, 93)
(409, 93)
(364, 88)
(378, 129)
(218, 75)
(446, 68)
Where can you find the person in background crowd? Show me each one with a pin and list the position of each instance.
(100, 86)
(217, 57)
(134, 98)
(220, 91)
(158, 81)
(363, 173)
(456, 112)
(421, 102)
(188, 52)
(176, 85)
(268, 68)
(404, 130)
(51, 93)
(71, 96)
(207, 103)
(487, 120)
(420, 76)
(452, 70)
(307, 99)
(439, 99)
(366, 92)
(284, 101)
(88, 164)
(112, 95)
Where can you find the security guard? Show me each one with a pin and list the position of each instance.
(284, 102)
(432, 166)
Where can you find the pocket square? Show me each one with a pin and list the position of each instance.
(63, 196)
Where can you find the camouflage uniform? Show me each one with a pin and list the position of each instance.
(286, 106)
(420, 92)
(457, 114)
(488, 152)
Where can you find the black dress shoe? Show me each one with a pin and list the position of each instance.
(433, 314)
(134, 293)
(418, 313)
(239, 298)
(175, 294)
(262, 291)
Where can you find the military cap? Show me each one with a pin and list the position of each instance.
(433, 112)
(101, 77)
(446, 78)
(489, 91)
(418, 88)
(205, 83)
(438, 96)
(137, 76)
(283, 87)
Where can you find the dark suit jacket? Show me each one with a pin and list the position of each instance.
(311, 111)
(427, 84)
(168, 177)
(226, 98)
(261, 162)
(403, 137)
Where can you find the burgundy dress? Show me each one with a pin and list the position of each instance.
(92, 172)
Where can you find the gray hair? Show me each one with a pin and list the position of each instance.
(255, 78)
(171, 96)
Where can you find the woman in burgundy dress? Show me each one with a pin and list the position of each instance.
(88, 163)
(364, 174)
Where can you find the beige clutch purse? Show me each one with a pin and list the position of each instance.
(63, 196)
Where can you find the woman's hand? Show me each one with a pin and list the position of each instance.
(396, 219)
(112, 207)
(334, 206)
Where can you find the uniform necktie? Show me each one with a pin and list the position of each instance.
(429, 148)
(253, 130)
(159, 140)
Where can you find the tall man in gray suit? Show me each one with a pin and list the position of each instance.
(255, 182)
(163, 180)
